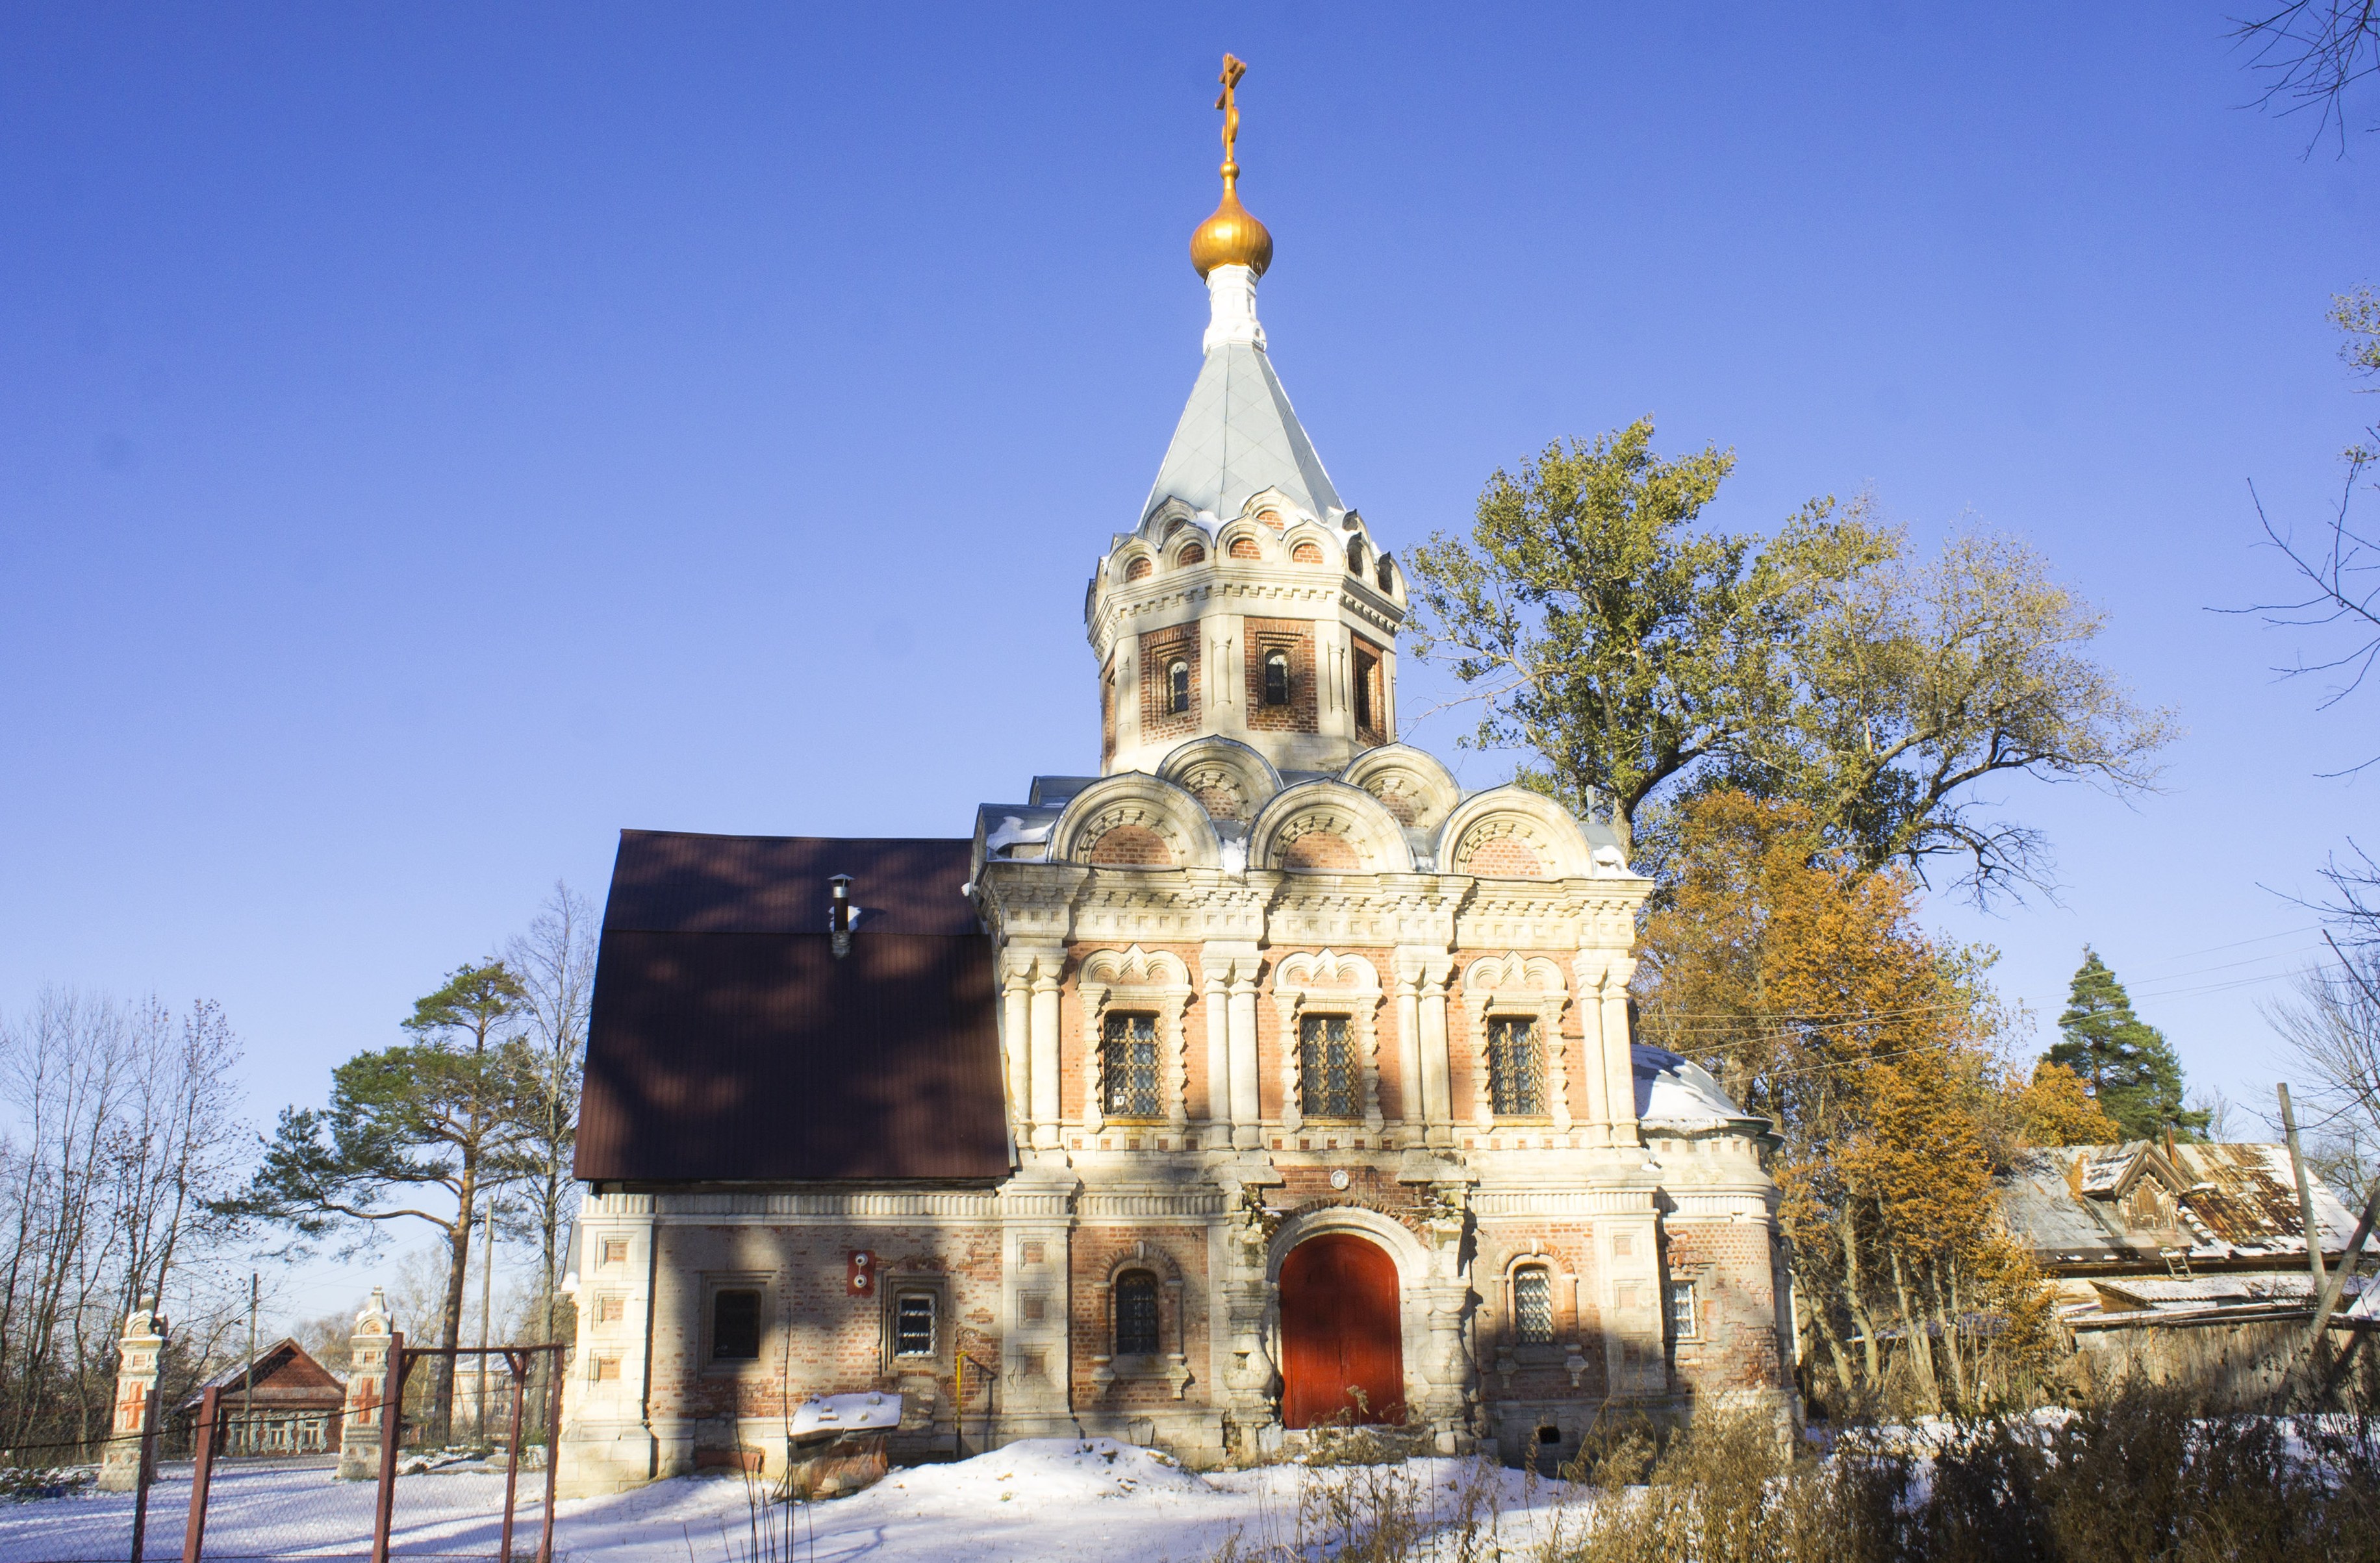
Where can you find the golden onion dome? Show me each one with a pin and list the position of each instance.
(1232, 237)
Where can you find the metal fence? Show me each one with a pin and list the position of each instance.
(244, 1494)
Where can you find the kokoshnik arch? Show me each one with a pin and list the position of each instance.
(1265, 1078)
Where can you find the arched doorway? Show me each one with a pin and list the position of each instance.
(1340, 1331)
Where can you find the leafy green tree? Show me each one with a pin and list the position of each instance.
(1645, 660)
(2127, 1062)
(1602, 631)
(417, 1131)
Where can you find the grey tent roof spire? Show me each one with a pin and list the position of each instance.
(1238, 434)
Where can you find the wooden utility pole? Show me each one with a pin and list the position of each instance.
(248, 1378)
(2305, 1191)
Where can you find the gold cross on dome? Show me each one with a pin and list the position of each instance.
(1233, 68)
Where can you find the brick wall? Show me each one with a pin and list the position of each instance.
(1736, 1298)
(1159, 649)
(837, 1342)
(1297, 638)
(1172, 1255)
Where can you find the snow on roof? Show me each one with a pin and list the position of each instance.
(1673, 1092)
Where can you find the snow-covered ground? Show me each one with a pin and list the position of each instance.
(1047, 1498)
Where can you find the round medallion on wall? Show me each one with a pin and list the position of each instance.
(1338, 1179)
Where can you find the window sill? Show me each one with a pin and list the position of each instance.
(739, 1367)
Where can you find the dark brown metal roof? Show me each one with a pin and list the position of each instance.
(669, 881)
(729, 1044)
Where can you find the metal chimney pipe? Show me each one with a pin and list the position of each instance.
(838, 917)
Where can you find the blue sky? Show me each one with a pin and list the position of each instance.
(434, 439)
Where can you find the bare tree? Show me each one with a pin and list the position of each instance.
(2310, 54)
(2331, 1021)
(554, 962)
(174, 1148)
(122, 1124)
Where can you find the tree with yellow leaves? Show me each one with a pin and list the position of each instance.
(1799, 975)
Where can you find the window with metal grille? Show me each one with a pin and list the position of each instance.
(1533, 1305)
(1326, 1067)
(913, 1324)
(1516, 1073)
(1276, 678)
(1177, 688)
(735, 1327)
(1135, 1314)
(1685, 1318)
(1128, 1066)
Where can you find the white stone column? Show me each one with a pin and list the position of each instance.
(1597, 1083)
(1017, 1043)
(1619, 1064)
(1247, 1109)
(1216, 1001)
(1409, 1098)
(1437, 1069)
(1045, 1053)
(136, 1380)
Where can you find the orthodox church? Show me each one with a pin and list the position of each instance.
(1263, 1080)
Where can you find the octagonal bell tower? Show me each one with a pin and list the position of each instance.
(1249, 602)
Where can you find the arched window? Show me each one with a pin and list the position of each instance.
(1355, 556)
(1137, 1333)
(1516, 1067)
(1276, 678)
(1388, 578)
(1533, 1305)
(1192, 554)
(1326, 1067)
(1177, 688)
(1306, 553)
(1139, 569)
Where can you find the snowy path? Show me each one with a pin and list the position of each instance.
(1047, 1499)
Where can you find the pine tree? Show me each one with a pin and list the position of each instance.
(2130, 1066)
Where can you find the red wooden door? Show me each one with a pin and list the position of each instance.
(1341, 1331)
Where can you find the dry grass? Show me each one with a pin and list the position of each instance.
(2138, 1476)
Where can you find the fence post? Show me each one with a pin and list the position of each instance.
(553, 1452)
(392, 1429)
(194, 1530)
(148, 1474)
(518, 1367)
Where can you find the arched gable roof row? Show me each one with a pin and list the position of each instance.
(1215, 803)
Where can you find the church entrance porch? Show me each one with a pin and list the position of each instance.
(1341, 1333)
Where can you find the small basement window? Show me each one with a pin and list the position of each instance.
(735, 1327)
(913, 1324)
